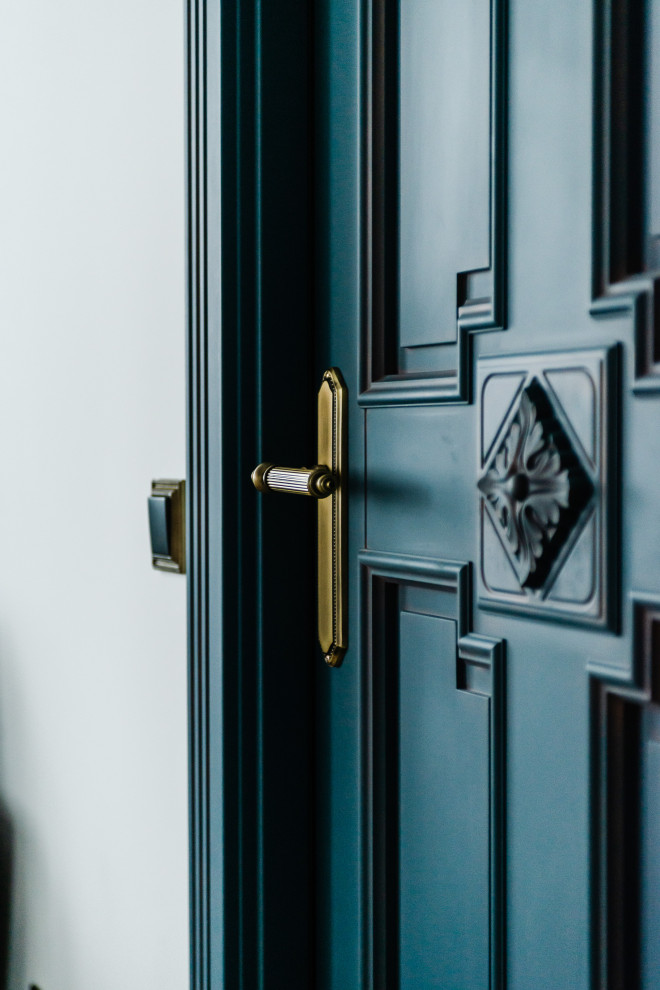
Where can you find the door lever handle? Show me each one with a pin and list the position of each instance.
(327, 483)
(319, 481)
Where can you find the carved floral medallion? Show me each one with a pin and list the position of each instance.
(547, 484)
(535, 486)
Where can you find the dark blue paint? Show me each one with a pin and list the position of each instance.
(444, 815)
(511, 826)
(444, 162)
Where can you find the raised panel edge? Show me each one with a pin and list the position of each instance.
(453, 577)
(620, 281)
(377, 387)
(617, 700)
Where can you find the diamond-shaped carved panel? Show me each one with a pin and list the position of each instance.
(545, 484)
(535, 487)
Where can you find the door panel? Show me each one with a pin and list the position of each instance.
(433, 784)
(444, 161)
(487, 798)
(405, 480)
(443, 812)
(433, 196)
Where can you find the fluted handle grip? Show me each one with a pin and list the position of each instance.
(319, 481)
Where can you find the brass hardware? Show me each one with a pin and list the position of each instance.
(167, 525)
(327, 483)
(317, 481)
(333, 518)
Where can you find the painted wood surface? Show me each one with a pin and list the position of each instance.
(471, 799)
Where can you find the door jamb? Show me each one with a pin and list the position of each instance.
(250, 389)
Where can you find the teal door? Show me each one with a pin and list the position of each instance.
(487, 779)
(458, 205)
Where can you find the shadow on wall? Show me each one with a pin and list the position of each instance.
(6, 879)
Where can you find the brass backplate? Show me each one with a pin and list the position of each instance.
(332, 518)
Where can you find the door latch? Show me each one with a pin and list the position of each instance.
(326, 482)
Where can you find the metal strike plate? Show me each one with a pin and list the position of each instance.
(167, 525)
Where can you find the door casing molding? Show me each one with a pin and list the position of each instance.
(251, 385)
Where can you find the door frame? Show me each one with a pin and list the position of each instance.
(251, 385)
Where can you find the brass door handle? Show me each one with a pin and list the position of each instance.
(327, 483)
(319, 481)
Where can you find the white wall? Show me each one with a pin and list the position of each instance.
(92, 641)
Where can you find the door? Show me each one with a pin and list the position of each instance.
(488, 755)
(458, 206)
